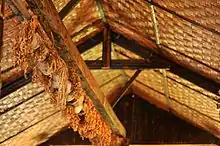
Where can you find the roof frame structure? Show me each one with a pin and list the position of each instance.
(52, 24)
(142, 47)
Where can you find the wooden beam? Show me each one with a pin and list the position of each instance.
(98, 29)
(97, 24)
(106, 51)
(128, 64)
(19, 9)
(142, 49)
(93, 65)
(2, 6)
(127, 85)
(67, 8)
(20, 82)
(90, 43)
(52, 24)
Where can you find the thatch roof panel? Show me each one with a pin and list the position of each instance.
(204, 12)
(179, 92)
(181, 109)
(21, 95)
(138, 18)
(40, 132)
(10, 29)
(188, 39)
(186, 43)
(59, 4)
(85, 13)
(25, 115)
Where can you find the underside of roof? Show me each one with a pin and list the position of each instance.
(174, 43)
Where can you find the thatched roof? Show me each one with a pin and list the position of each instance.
(184, 34)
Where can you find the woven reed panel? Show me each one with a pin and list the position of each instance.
(133, 14)
(172, 76)
(10, 29)
(191, 99)
(93, 53)
(190, 44)
(59, 4)
(180, 110)
(85, 33)
(180, 92)
(123, 53)
(192, 86)
(40, 132)
(196, 119)
(19, 96)
(25, 115)
(205, 12)
(84, 14)
(149, 94)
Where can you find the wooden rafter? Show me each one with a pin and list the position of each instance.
(52, 24)
(18, 83)
(127, 85)
(90, 42)
(67, 8)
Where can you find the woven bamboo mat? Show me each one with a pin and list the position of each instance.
(25, 115)
(85, 13)
(186, 43)
(10, 29)
(19, 96)
(40, 132)
(130, 14)
(205, 12)
(59, 4)
(183, 100)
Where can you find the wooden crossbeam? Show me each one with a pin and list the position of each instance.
(106, 51)
(127, 85)
(20, 82)
(67, 8)
(128, 64)
(93, 65)
(142, 49)
(90, 42)
(52, 24)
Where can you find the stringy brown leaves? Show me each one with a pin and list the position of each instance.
(62, 83)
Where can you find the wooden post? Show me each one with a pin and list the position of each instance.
(52, 24)
(106, 53)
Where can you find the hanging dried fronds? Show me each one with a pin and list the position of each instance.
(62, 83)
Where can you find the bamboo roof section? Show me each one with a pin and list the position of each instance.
(175, 44)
